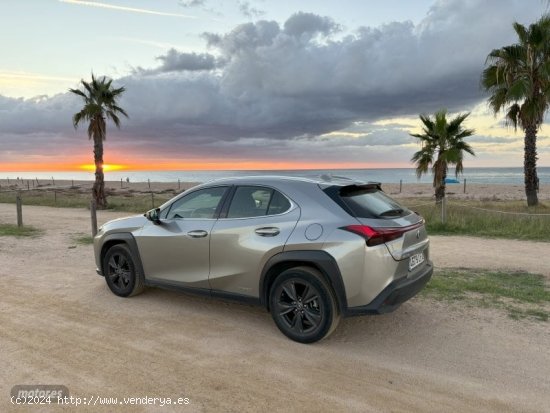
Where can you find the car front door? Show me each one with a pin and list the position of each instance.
(257, 225)
(177, 250)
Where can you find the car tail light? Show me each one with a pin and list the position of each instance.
(376, 236)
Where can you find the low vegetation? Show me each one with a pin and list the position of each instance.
(489, 218)
(83, 239)
(9, 230)
(522, 295)
(138, 202)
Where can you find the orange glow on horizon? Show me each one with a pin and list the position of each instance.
(193, 165)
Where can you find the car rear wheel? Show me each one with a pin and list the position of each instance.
(303, 305)
(121, 273)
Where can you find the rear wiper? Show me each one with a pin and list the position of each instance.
(390, 212)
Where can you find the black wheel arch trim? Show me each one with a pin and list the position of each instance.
(121, 238)
(321, 260)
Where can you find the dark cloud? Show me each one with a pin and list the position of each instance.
(309, 24)
(174, 61)
(280, 83)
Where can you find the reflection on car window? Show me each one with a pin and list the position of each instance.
(371, 203)
(198, 204)
(253, 201)
(279, 204)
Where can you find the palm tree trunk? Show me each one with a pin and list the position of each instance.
(530, 166)
(98, 190)
(440, 186)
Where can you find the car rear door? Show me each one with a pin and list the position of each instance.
(256, 225)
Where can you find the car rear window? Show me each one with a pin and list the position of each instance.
(366, 201)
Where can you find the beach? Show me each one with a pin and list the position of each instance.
(62, 325)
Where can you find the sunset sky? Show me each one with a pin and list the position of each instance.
(258, 84)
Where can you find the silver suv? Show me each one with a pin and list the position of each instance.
(308, 251)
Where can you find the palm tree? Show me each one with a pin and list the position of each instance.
(518, 78)
(100, 103)
(442, 145)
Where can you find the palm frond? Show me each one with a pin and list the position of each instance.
(446, 139)
(100, 102)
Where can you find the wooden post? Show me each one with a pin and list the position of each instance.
(464, 185)
(28, 185)
(120, 183)
(179, 184)
(93, 216)
(72, 182)
(444, 210)
(19, 207)
(400, 185)
(149, 182)
(53, 182)
(152, 200)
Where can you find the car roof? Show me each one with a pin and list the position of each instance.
(323, 180)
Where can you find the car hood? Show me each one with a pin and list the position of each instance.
(127, 224)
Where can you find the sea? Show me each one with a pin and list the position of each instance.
(395, 175)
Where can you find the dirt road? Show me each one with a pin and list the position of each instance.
(59, 324)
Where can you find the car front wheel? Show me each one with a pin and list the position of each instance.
(121, 273)
(303, 305)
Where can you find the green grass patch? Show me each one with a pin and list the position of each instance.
(83, 239)
(491, 218)
(522, 295)
(9, 230)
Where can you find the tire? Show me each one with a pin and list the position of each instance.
(303, 305)
(121, 273)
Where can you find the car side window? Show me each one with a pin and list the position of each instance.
(279, 204)
(198, 204)
(254, 201)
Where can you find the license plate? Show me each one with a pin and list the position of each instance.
(415, 260)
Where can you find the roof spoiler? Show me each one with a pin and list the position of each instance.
(345, 190)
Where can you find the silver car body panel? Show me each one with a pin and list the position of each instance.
(240, 248)
(175, 251)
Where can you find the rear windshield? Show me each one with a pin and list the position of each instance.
(366, 202)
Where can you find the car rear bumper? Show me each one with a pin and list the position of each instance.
(394, 294)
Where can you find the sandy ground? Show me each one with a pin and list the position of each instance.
(490, 192)
(59, 324)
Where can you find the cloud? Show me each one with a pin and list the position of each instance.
(174, 61)
(249, 11)
(123, 8)
(191, 3)
(271, 89)
(309, 24)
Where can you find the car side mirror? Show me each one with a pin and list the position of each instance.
(153, 215)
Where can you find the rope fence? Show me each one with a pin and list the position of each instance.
(527, 214)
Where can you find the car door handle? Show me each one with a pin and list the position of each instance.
(198, 233)
(268, 231)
